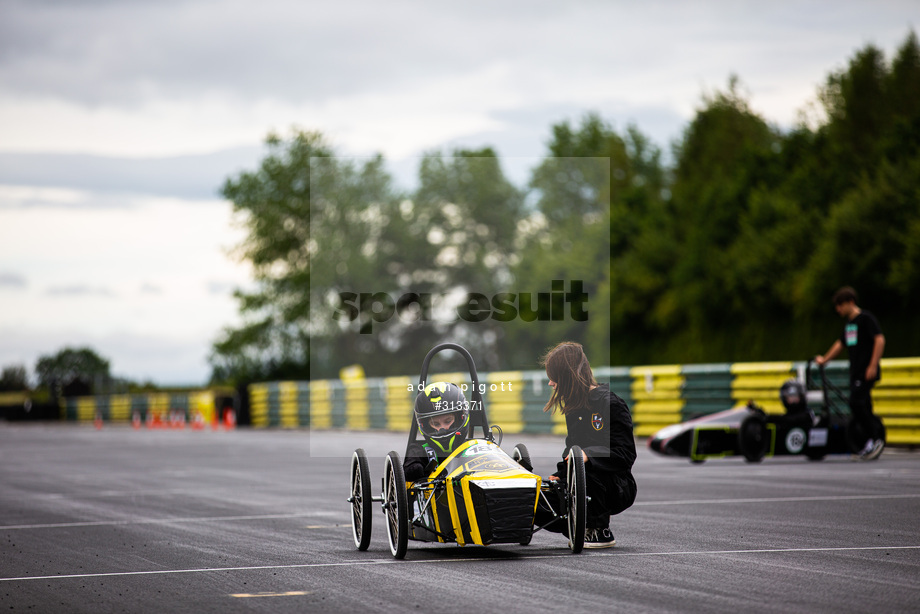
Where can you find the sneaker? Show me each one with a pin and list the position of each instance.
(877, 446)
(599, 538)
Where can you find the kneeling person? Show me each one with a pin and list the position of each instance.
(598, 421)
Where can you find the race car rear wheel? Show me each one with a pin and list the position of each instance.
(521, 456)
(753, 438)
(396, 505)
(577, 499)
(360, 500)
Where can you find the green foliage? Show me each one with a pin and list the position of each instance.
(76, 371)
(273, 204)
(763, 226)
(872, 235)
(595, 191)
(14, 378)
(363, 240)
(732, 254)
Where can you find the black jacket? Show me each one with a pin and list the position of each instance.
(604, 431)
(418, 457)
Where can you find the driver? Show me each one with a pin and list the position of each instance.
(443, 416)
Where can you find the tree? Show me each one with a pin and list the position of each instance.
(73, 372)
(366, 250)
(717, 165)
(14, 378)
(729, 255)
(871, 237)
(903, 91)
(871, 146)
(594, 191)
(469, 213)
(273, 204)
(399, 268)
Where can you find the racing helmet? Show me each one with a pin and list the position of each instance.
(440, 400)
(792, 394)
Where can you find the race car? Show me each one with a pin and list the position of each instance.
(478, 495)
(750, 432)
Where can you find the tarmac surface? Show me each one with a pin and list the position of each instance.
(124, 520)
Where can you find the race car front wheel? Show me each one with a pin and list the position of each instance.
(396, 505)
(521, 456)
(577, 499)
(360, 500)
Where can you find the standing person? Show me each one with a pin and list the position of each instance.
(599, 422)
(863, 339)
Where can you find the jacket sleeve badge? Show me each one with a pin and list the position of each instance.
(597, 421)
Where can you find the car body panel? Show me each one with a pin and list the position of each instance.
(478, 495)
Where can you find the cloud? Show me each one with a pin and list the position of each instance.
(77, 290)
(126, 53)
(134, 78)
(191, 177)
(153, 289)
(129, 52)
(219, 287)
(165, 358)
(12, 280)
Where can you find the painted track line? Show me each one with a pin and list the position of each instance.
(117, 574)
(776, 500)
(166, 521)
(116, 523)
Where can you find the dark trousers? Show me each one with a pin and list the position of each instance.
(609, 494)
(861, 408)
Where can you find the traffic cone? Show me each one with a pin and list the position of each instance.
(229, 419)
(136, 420)
(97, 420)
(177, 419)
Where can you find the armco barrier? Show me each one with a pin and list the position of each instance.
(156, 407)
(897, 400)
(658, 395)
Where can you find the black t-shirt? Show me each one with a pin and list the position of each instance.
(604, 431)
(859, 339)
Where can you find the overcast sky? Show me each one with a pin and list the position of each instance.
(119, 120)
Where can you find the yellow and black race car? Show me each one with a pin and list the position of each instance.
(477, 495)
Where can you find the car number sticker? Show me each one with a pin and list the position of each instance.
(817, 438)
(476, 450)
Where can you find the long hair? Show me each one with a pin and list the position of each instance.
(567, 365)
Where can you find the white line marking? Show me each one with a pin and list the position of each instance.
(464, 560)
(776, 500)
(286, 594)
(105, 523)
